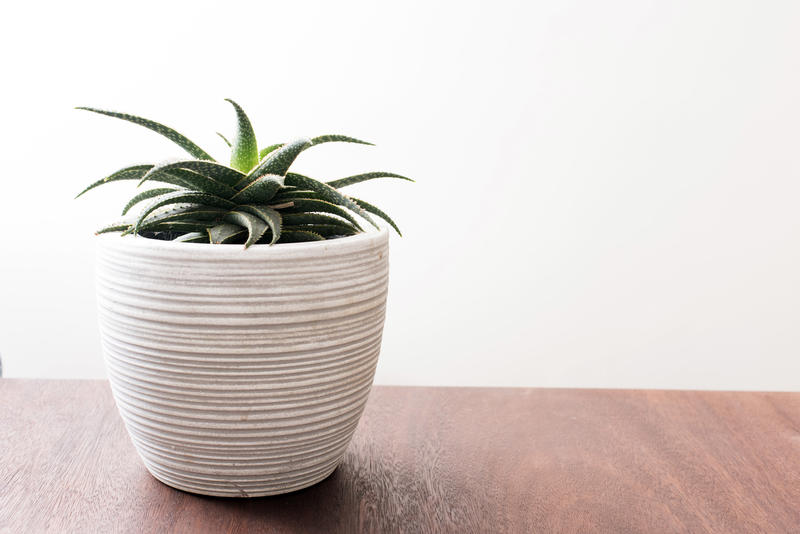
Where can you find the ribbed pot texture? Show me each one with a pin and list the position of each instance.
(241, 373)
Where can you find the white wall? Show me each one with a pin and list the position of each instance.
(607, 191)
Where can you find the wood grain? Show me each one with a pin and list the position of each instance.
(434, 460)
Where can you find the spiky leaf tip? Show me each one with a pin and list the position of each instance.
(335, 138)
(254, 225)
(177, 138)
(375, 211)
(144, 195)
(224, 139)
(267, 150)
(134, 172)
(244, 149)
(279, 161)
(316, 205)
(224, 233)
(270, 216)
(358, 178)
(328, 193)
(116, 227)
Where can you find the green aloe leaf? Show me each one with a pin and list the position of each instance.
(255, 226)
(325, 230)
(328, 193)
(134, 172)
(197, 182)
(193, 237)
(267, 150)
(269, 215)
(297, 219)
(184, 197)
(144, 195)
(209, 216)
(179, 177)
(279, 161)
(311, 205)
(224, 233)
(225, 139)
(219, 173)
(260, 191)
(166, 131)
(116, 227)
(350, 180)
(190, 213)
(175, 226)
(338, 138)
(375, 211)
(289, 193)
(297, 236)
(244, 150)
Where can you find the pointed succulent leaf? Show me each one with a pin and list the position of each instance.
(244, 150)
(328, 193)
(313, 205)
(134, 172)
(296, 219)
(269, 215)
(338, 138)
(184, 197)
(197, 182)
(267, 150)
(375, 211)
(175, 226)
(255, 226)
(166, 131)
(279, 161)
(224, 233)
(325, 230)
(350, 180)
(219, 173)
(144, 195)
(137, 172)
(297, 236)
(291, 193)
(192, 212)
(193, 237)
(259, 191)
(116, 227)
(224, 139)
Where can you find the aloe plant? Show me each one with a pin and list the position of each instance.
(254, 199)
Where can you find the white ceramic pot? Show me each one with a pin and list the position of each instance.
(241, 373)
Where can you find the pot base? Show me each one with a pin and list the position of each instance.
(239, 493)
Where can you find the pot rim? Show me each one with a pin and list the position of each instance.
(361, 240)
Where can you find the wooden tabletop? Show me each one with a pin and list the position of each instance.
(434, 460)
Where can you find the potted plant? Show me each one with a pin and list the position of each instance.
(241, 370)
